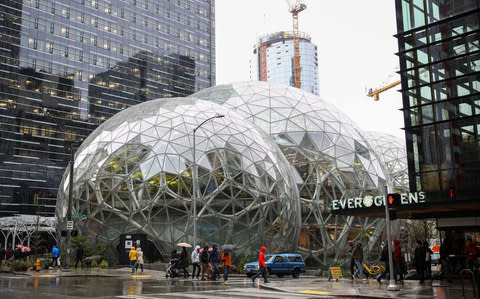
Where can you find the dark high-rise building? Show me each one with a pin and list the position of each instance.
(439, 54)
(68, 65)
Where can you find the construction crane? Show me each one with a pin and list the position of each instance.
(376, 92)
(295, 7)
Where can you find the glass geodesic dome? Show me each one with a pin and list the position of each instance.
(392, 152)
(133, 174)
(330, 157)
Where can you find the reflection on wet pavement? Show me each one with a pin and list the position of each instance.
(53, 286)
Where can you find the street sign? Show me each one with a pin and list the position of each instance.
(335, 273)
(69, 225)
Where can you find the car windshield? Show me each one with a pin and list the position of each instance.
(269, 258)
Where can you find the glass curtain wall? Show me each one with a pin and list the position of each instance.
(440, 62)
(68, 65)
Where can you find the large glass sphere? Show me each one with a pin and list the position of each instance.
(133, 174)
(392, 152)
(330, 157)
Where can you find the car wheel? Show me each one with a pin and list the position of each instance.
(249, 274)
(280, 275)
(269, 272)
(296, 273)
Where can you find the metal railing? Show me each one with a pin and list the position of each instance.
(475, 291)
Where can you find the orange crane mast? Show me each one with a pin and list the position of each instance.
(295, 8)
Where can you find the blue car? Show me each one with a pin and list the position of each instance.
(280, 264)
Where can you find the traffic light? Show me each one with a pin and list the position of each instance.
(74, 233)
(393, 200)
(451, 193)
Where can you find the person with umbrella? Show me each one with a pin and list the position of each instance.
(227, 262)
(183, 263)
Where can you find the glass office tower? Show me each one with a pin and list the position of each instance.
(273, 60)
(440, 62)
(68, 65)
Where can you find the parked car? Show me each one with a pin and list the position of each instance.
(280, 264)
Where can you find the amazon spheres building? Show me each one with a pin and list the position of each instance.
(271, 160)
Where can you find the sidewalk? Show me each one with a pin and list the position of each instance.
(372, 289)
(91, 272)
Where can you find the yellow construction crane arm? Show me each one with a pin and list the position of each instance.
(376, 93)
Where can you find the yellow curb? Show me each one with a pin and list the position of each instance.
(47, 275)
(314, 292)
(141, 276)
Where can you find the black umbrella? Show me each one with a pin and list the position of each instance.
(227, 248)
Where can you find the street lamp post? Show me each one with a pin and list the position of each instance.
(392, 286)
(195, 175)
(70, 204)
(70, 190)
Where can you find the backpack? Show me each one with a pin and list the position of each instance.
(204, 257)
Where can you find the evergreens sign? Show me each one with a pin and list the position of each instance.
(370, 201)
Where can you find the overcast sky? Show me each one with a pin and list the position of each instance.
(356, 50)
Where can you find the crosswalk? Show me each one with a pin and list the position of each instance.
(236, 288)
(233, 293)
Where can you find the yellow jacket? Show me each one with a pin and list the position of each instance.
(133, 254)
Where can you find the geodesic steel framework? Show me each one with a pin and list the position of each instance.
(20, 229)
(134, 174)
(330, 157)
(393, 154)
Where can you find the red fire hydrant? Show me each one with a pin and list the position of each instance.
(37, 265)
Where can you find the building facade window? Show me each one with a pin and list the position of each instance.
(58, 62)
(439, 59)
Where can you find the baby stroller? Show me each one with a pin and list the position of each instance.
(172, 268)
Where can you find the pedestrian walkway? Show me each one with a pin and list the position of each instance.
(233, 293)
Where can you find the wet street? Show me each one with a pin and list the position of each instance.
(152, 284)
(52, 287)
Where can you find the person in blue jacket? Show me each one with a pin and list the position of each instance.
(55, 256)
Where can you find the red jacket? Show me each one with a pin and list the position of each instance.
(261, 257)
(471, 251)
(397, 252)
